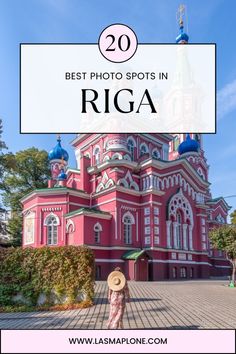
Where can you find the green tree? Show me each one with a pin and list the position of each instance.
(224, 238)
(23, 172)
(233, 217)
(2, 146)
(2, 143)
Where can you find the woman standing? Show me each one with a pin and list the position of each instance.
(118, 293)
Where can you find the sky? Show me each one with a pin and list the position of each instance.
(211, 21)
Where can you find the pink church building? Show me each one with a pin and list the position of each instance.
(139, 201)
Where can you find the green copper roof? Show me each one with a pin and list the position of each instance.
(215, 200)
(58, 188)
(52, 189)
(87, 210)
(134, 254)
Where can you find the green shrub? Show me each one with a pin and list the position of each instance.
(60, 272)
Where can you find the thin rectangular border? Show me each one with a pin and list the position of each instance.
(104, 132)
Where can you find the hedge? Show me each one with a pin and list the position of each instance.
(52, 271)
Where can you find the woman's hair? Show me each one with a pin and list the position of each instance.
(118, 269)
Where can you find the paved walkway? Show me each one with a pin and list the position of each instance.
(160, 305)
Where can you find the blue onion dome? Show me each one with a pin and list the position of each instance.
(188, 145)
(58, 153)
(62, 175)
(182, 37)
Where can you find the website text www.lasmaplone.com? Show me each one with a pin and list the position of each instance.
(120, 340)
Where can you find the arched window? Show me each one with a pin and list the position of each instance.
(130, 146)
(183, 272)
(97, 155)
(143, 149)
(155, 154)
(200, 172)
(97, 233)
(127, 230)
(52, 228)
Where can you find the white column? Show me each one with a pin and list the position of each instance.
(168, 226)
(136, 225)
(144, 184)
(190, 235)
(155, 182)
(175, 225)
(185, 245)
(78, 157)
(151, 181)
(116, 223)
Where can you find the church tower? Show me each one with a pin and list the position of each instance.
(58, 160)
(184, 98)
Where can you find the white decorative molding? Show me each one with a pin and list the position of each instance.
(190, 235)
(122, 182)
(51, 209)
(127, 157)
(47, 218)
(185, 227)
(182, 256)
(29, 228)
(179, 201)
(117, 156)
(125, 207)
(130, 215)
(128, 182)
(106, 158)
(105, 183)
(68, 224)
(132, 139)
(97, 227)
(175, 225)
(96, 148)
(168, 226)
(104, 178)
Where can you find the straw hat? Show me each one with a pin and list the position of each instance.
(116, 280)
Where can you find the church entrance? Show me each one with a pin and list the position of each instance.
(141, 269)
(136, 265)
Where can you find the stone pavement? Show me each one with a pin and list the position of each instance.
(160, 305)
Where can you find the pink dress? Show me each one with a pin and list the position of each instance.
(117, 301)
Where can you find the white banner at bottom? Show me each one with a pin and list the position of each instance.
(117, 341)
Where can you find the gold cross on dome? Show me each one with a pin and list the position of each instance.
(180, 13)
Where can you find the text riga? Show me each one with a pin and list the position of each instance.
(122, 101)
